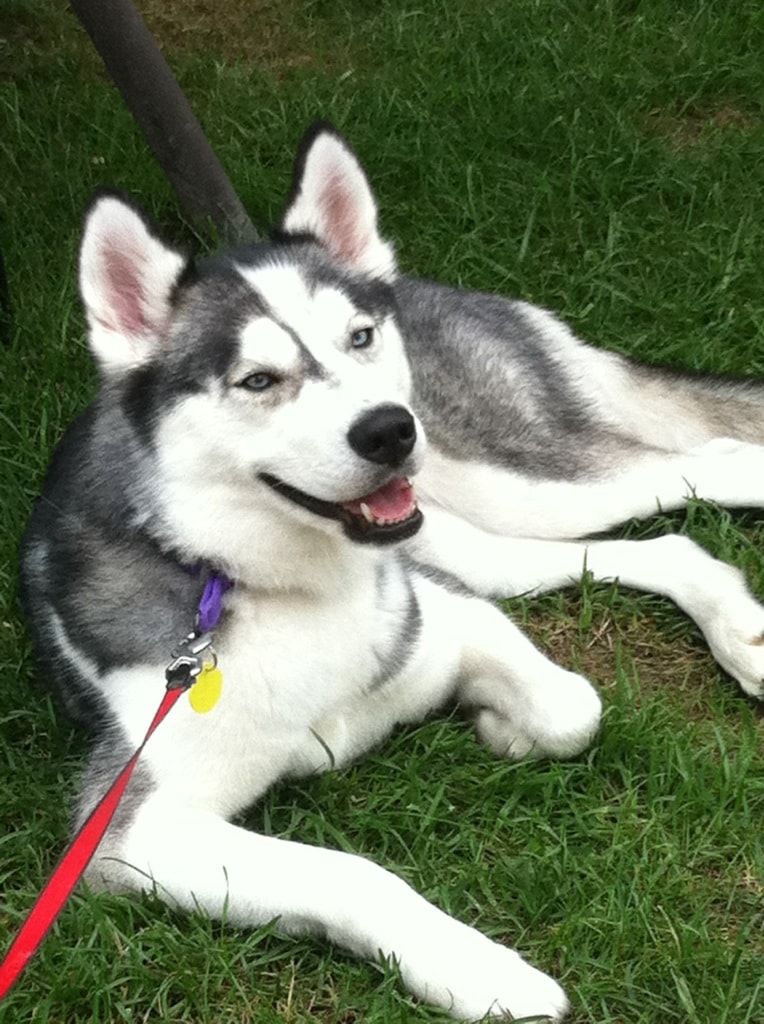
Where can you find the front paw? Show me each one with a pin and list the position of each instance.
(524, 991)
(493, 981)
(559, 719)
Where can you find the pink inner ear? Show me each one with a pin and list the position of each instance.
(126, 293)
(342, 221)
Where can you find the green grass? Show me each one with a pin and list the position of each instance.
(605, 159)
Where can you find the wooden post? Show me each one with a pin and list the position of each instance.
(156, 101)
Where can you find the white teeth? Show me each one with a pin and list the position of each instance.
(366, 513)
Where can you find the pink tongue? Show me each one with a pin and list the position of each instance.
(390, 503)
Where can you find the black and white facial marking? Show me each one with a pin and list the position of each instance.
(210, 310)
(327, 358)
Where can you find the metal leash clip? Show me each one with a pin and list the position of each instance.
(187, 661)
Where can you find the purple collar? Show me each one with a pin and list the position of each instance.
(211, 602)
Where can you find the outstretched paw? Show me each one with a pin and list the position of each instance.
(486, 979)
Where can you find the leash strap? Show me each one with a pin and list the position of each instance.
(180, 673)
(71, 866)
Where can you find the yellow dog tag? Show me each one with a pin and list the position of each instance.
(205, 693)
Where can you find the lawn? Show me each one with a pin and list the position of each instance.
(604, 159)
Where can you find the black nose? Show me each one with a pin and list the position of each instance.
(385, 435)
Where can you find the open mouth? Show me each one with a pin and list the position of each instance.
(386, 515)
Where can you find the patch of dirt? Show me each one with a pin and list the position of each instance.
(692, 127)
(273, 33)
(665, 655)
(263, 31)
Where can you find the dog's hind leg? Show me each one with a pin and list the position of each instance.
(730, 473)
(711, 592)
(196, 860)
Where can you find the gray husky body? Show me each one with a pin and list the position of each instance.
(260, 417)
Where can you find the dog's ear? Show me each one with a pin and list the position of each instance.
(127, 278)
(332, 202)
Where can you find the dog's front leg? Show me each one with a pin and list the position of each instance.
(524, 704)
(195, 859)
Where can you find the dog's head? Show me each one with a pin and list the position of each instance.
(271, 378)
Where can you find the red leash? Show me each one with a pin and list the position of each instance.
(71, 866)
(181, 673)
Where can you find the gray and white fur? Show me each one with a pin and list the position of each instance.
(260, 415)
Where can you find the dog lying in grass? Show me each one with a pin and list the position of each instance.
(347, 463)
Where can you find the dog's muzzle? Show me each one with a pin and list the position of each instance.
(385, 436)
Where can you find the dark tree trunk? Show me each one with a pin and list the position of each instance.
(175, 137)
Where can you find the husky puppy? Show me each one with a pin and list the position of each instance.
(259, 420)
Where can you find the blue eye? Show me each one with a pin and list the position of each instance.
(362, 338)
(258, 381)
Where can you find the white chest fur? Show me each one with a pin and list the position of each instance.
(290, 663)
